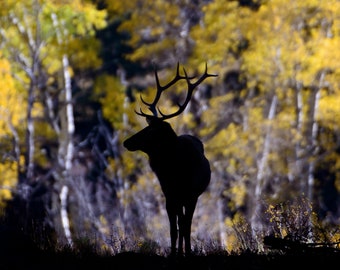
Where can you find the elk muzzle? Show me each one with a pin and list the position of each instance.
(130, 145)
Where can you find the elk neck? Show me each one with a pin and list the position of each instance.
(164, 144)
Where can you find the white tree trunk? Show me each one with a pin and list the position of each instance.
(64, 216)
(255, 222)
(66, 147)
(69, 123)
(299, 152)
(29, 65)
(313, 139)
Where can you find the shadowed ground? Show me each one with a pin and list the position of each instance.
(19, 252)
(33, 259)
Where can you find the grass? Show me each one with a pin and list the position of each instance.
(19, 252)
(133, 260)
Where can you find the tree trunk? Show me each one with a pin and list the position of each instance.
(29, 162)
(65, 149)
(29, 64)
(313, 137)
(298, 170)
(256, 223)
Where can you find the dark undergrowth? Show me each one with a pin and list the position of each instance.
(19, 252)
(35, 249)
(29, 259)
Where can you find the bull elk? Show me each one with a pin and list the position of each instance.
(178, 161)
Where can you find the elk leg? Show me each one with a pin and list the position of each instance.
(181, 225)
(171, 210)
(187, 221)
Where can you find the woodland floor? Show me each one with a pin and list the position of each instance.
(36, 260)
(18, 252)
(136, 261)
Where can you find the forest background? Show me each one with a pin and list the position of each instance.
(71, 75)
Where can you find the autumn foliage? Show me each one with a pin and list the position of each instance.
(71, 73)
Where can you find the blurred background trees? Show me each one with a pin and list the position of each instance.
(71, 76)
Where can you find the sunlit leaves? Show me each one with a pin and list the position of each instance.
(77, 17)
(8, 180)
(85, 54)
(34, 36)
(219, 36)
(329, 113)
(12, 113)
(155, 26)
(110, 93)
(12, 107)
(77, 23)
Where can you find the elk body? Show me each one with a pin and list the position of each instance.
(178, 162)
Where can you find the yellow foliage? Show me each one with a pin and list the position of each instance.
(219, 32)
(329, 111)
(238, 194)
(110, 92)
(157, 23)
(8, 180)
(240, 231)
(85, 54)
(83, 16)
(211, 117)
(151, 49)
(120, 7)
(105, 227)
(12, 106)
(223, 140)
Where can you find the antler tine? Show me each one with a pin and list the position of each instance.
(203, 77)
(191, 88)
(141, 113)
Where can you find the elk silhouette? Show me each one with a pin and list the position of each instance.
(178, 161)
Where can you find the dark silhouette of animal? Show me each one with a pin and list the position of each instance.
(178, 161)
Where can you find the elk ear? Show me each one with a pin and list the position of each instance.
(149, 119)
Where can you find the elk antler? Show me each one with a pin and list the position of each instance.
(181, 107)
